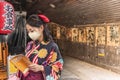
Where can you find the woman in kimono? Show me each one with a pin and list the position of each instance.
(42, 51)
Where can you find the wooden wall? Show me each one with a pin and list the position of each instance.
(96, 43)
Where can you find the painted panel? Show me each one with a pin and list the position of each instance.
(90, 35)
(63, 32)
(113, 36)
(100, 35)
(69, 34)
(75, 36)
(82, 35)
(58, 32)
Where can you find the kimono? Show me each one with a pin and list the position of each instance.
(47, 55)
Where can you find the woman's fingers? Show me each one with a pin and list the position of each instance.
(32, 68)
(32, 65)
(36, 67)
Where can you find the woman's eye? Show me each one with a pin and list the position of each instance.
(31, 31)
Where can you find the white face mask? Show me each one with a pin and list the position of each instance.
(34, 35)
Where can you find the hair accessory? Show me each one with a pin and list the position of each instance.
(44, 18)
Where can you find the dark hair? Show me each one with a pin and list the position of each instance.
(36, 21)
(15, 45)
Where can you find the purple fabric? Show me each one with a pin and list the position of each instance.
(33, 76)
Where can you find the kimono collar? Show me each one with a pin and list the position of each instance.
(45, 43)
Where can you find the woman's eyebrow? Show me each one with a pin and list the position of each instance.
(28, 30)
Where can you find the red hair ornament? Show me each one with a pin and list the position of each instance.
(44, 18)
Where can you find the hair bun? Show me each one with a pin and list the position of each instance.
(44, 18)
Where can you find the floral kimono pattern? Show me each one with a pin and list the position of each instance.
(47, 55)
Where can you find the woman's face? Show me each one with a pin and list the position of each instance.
(34, 32)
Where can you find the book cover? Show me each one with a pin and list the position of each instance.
(21, 62)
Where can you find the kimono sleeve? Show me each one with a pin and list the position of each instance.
(53, 69)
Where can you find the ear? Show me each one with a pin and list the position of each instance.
(41, 27)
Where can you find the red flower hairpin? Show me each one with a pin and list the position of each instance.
(44, 18)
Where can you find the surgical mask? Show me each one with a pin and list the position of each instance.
(34, 35)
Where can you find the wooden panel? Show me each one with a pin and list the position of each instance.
(90, 35)
(68, 34)
(82, 35)
(113, 37)
(75, 35)
(100, 35)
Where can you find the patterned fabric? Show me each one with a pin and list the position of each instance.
(47, 55)
(13, 77)
(33, 76)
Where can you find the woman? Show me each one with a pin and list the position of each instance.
(42, 51)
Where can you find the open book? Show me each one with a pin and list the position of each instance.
(21, 62)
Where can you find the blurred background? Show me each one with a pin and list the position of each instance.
(87, 32)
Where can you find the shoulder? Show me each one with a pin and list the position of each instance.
(54, 45)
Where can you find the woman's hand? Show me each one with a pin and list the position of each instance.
(36, 67)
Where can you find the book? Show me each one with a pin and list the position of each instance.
(22, 63)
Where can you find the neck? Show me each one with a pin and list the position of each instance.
(41, 38)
